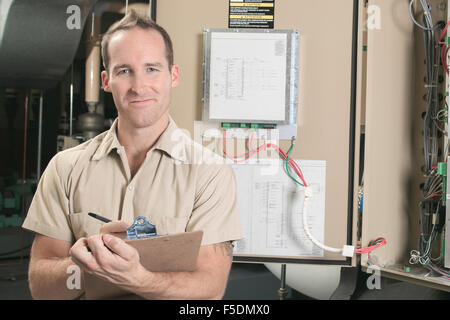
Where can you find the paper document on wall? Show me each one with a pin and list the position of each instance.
(271, 204)
(248, 76)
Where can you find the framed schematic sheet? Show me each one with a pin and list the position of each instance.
(271, 208)
(250, 75)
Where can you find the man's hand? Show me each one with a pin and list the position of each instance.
(112, 259)
(115, 227)
(109, 257)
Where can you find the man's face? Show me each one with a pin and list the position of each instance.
(139, 77)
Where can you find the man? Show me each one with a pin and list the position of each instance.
(128, 171)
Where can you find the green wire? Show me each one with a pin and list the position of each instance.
(375, 242)
(287, 166)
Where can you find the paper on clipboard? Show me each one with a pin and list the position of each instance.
(169, 253)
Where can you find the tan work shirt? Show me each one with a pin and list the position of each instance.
(180, 187)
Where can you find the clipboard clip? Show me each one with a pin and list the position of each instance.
(141, 229)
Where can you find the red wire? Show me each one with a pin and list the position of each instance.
(292, 163)
(443, 33)
(371, 248)
(445, 48)
(434, 196)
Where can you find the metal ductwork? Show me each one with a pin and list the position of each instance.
(39, 40)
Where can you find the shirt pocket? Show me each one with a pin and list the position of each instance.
(83, 225)
(169, 225)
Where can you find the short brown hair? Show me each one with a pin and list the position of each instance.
(130, 20)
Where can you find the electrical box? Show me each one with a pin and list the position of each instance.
(403, 96)
(251, 79)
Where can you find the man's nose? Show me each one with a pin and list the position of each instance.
(139, 84)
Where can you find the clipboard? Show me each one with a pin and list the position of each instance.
(168, 253)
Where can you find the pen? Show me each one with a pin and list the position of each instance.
(99, 217)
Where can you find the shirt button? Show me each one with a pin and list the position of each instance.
(118, 151)
(131, 188)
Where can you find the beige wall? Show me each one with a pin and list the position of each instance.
(324, 83)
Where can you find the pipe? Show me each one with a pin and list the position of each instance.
(39, 154)
(92, 75)
(24, 169)
(71, 102)
(282, 292)
(63, 126)
(120, 7)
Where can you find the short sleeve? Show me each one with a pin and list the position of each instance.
(215, 208)
(49, 210)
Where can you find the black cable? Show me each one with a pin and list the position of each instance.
(432, 64)
(429, 207)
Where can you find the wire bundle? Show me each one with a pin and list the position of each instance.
(432, 54)
(430, 208)
(289, 161)
(444, 49)
(442, 115)
(426, 260)
(433, 186)
(372, 246)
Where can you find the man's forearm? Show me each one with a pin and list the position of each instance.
(207, 282)
(48, 279)
(179, 285)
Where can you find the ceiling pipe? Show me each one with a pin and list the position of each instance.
(92, 76)
(121, 7)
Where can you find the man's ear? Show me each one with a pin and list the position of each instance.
(105, 81)
(175, 73)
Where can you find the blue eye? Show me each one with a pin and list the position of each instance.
(123, 71)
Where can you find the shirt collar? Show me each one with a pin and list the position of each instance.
(108, 143)
(172, 141)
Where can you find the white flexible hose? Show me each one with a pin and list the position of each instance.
(308, 195)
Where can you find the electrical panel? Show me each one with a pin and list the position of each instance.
(405, 185)
(250, 79)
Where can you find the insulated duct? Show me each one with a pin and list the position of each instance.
(39, 40)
